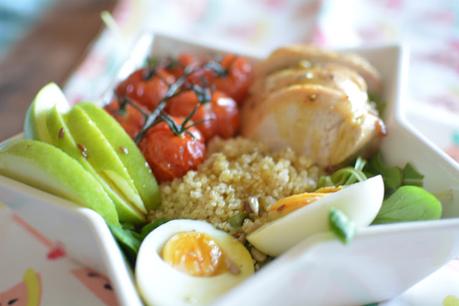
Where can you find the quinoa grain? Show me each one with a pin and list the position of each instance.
(235, 172)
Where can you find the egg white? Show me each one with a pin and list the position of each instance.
(361, 202)
(160, 284)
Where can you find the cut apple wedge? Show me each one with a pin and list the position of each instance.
(95, 148)
(128, 152)
(45, 167)
(35, 126)
(62, 138)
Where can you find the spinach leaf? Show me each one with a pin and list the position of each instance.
(392, 176)
(340, 225)
(147, 229)
(128, 240)
(409, 203)
(411, 176)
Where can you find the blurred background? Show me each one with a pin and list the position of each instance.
(41, 41)
(67, 42)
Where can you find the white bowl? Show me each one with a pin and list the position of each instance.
(381, 262)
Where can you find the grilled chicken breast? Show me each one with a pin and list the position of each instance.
(329, 75)
(292, 55)
(318, 121)
(315, 102)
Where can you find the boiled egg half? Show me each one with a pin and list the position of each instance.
(307, 214)
(189, 262)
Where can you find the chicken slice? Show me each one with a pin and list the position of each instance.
(329, 75)
(334, 76)
(290, 56)
(318, 121)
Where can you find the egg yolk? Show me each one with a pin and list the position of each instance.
(195, 253)
(289, 204)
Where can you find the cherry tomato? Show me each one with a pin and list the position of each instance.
(237, 81)
(199, 74)
(169, 155)
(218, 117)
(184, 103)
(227, 114)
(131, 119)
(146, 90)
(183, 60)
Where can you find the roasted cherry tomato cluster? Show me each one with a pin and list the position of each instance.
(173, 108)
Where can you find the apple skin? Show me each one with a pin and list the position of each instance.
(47, 168)
(29, 124)
(62, 138)
(128, 152)
(35, 121)
(96, 149)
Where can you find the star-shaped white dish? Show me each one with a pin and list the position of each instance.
(381, 262)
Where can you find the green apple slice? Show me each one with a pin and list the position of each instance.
(45, 167)
(128, 152)
(98, 152)
(35, 126)
(61, 138)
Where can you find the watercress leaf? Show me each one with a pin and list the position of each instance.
(128, 240)
(411, 176)
(340, 225)
(147, 229)
(409, 203)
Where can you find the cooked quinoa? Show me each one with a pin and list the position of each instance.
(237, 176)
